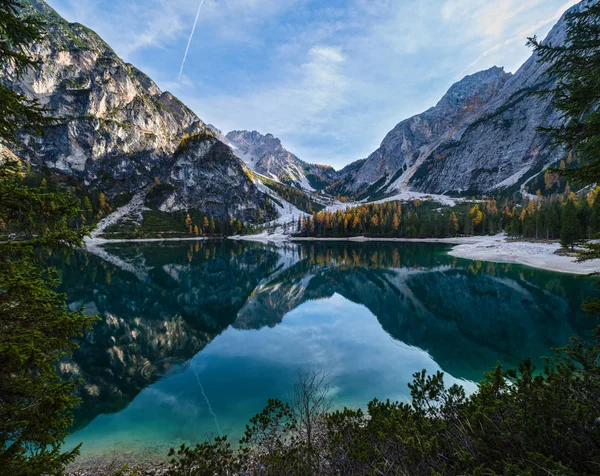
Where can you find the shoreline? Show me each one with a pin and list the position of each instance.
(495, 249)
(281, 238)
(148, 469)
(535, 255)
(103, 241)
(364, 239)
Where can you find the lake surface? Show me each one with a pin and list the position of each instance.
(195, 336)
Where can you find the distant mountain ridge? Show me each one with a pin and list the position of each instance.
(266, 155)
(405, 147)
(482, 137)
(120, 134)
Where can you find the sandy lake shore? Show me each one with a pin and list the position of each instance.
(496, 249)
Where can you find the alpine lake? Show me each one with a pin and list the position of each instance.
(195, 336)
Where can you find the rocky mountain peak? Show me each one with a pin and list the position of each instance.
(118, 132)
(481, 137)
(474, 90)
(265, 155)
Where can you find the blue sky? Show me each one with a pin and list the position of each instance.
(329, 77)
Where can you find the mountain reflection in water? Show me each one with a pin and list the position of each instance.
(195, 336)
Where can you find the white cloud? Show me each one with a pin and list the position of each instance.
(330, 80)
(494, 18)
(128, 26)
(305, 101)
(131, 26)
(326, 54)
(519, 37)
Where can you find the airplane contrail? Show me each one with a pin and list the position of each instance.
(210, 408)
(190, 39)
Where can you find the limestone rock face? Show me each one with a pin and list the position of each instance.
(410, 141)
(210, 176)
(480, 138)
(117, 131)
(266, 155)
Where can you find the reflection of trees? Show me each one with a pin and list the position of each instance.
(466, 314)
(373, 255)
(191, 294)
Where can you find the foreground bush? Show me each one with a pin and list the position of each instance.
(518, 422)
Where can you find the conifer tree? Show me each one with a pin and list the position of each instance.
(36, 329)
(476, 216)
(570, 232)
(103, 206)
(18, 114)
(576, 65)
(453, 224)
(396, 223)
(87, 205)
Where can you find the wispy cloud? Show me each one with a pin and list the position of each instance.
(330, 77)
(520, 36)
(187, 48)
(311, 94)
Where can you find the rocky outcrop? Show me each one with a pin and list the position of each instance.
(266, 155)
(117, 131)
(201, 172)
(405, 147)
(480, 138)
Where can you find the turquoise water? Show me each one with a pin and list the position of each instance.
(195, 337)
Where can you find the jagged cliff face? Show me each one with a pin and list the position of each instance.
(209, 175)
(410, 141)
(480, 138)
(118, 131)
(265, 155)
(120, 134)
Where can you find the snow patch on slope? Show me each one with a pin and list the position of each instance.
(407, 196)
(512, 180)
(288, 213)
(133, 209)
(305, 184)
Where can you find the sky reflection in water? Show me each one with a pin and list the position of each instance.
(239, 321)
